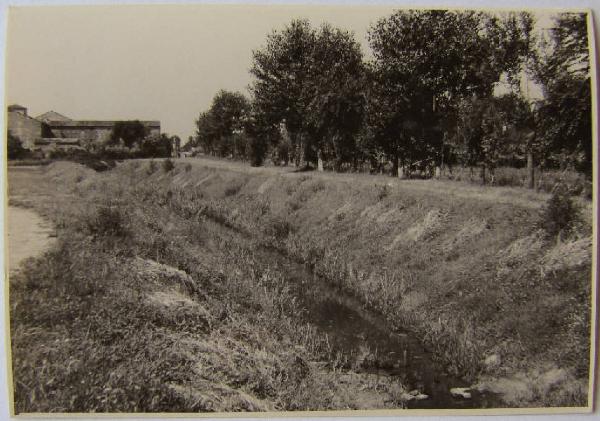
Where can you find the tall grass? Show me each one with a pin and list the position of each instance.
(506, 292)
(507, 304)
(545, 181)
(165, 321)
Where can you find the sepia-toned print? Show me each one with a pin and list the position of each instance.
(232, 209)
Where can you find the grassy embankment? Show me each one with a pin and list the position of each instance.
(140, 308)
(465, 267)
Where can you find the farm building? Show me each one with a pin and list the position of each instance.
(54, 130)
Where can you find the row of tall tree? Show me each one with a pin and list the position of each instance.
(428, 97)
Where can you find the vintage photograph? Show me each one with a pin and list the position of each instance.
(223, 209)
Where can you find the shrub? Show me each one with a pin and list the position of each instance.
(168, 165)
(188, 167)
(14, 147)
(561, 214)
(108, 220)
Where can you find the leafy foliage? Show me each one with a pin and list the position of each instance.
(443, 87)
(218, 129)
(128, 132)
(565, 114)
(311, 81)
(425, 62)
(282, 78)
(494, 130)
(156, 146)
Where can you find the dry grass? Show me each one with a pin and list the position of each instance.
(472, 282)
(177, 314)
(566, 255)
(519, 253)
(421, 230)
(470, 230)
(518, 177)
(474, 279)
(544, 386)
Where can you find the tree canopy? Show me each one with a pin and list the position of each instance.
(565, 114)
(426, 63)
(311, 80)
(128, 132)
(441, 87)
(219, 129)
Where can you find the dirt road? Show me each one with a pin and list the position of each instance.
(28, 235)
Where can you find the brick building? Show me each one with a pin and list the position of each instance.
(54, 130)
(26, 128)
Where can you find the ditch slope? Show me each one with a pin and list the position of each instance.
(494, 302)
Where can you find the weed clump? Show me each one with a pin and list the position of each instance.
(168, 165)
(383, 192)
(279, 228)
(108, 220)
(151, 168)
(561, 214)
(233, 190)
(317, 186)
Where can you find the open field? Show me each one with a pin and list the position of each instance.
(184, 309)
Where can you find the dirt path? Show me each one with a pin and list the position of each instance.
(28, 235)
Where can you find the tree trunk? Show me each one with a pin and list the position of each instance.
(483, 180)
(297, 152)
(395, 165)
(319, 160)
(530, 171)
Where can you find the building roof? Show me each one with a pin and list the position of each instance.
(52, 116)
(74, 124)
(15, 107)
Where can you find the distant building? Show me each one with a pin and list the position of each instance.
(16, 108)
(52, 116)
(54, 130)
(26, 128)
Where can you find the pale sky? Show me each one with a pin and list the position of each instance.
(148, 62)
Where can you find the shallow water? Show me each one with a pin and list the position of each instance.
(365, 339)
